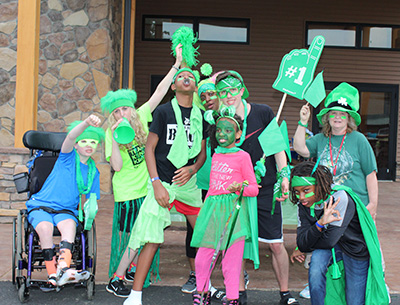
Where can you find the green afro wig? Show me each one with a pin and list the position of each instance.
(115, 99)
(91, 132)
(185, 36)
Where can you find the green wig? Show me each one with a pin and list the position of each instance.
(119, 98)
(91, 132)
(185, 36)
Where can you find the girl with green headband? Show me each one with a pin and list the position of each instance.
(74, 174)
(336, 227)
(130, 172)
(231, 168)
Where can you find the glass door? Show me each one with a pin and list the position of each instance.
(378, 110)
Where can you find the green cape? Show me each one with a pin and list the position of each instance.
(376, 293)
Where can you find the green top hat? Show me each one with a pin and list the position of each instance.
(343, 98)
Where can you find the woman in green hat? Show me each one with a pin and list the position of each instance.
(340, 147)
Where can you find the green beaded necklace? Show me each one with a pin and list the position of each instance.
(82, 188)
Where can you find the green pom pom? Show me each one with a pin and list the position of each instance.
(196, 75)
(206, 69)
(185, 36)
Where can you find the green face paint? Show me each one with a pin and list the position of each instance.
(225, 133)
(306, 195)
(343, 117)
(181, 77)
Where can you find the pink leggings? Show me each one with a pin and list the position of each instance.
(231, 266)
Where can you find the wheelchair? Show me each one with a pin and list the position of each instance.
(27, 255)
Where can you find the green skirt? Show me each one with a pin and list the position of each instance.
(153, 219)
(213, 217)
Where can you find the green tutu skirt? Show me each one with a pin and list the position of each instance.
(212, 219)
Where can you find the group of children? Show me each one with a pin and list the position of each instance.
(167, 165)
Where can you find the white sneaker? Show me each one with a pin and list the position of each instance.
(305, 293)
(66, 276)
(131, 300)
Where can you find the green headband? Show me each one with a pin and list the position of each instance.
(303, 181)
(206, 87)
(93, 133)
(119, 98)
(229, 81)
(224, 112)
(185, 69)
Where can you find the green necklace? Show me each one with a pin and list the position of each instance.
(82, 188)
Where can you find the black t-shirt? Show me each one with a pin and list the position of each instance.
(257, 120)
(346, 233)
(165, 126)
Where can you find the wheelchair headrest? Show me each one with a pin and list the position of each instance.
(44, 140)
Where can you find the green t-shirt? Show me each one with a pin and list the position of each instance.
(356, 160)
(131, 181)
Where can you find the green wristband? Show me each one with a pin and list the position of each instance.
(301, 124)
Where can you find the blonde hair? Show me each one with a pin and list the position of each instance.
(327, 129)
(134, 120)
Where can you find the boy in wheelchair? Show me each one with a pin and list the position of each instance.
(58, 203)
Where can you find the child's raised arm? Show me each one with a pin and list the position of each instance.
(164, 85)
(70, 140)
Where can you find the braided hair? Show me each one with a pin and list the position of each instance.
(322, 174)
(212, 128)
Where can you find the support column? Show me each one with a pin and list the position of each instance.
(26, 94)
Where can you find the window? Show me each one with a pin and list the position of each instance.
(335, 35)
(360, 36)
(163, 28)
(233, 30)
(208, 29)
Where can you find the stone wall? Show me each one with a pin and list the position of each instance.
(12, 161)
(8, 68)
(78, 64)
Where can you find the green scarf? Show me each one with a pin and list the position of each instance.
(180, 153)
(376, 293)
(82, 188)
(224, 150)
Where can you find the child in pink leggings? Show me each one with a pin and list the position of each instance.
(231, 167)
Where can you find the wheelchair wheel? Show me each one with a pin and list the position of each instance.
(90, 288)
(23, 293)
(92, 247)
(14, 252)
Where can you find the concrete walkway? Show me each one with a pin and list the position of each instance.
(174, 267)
